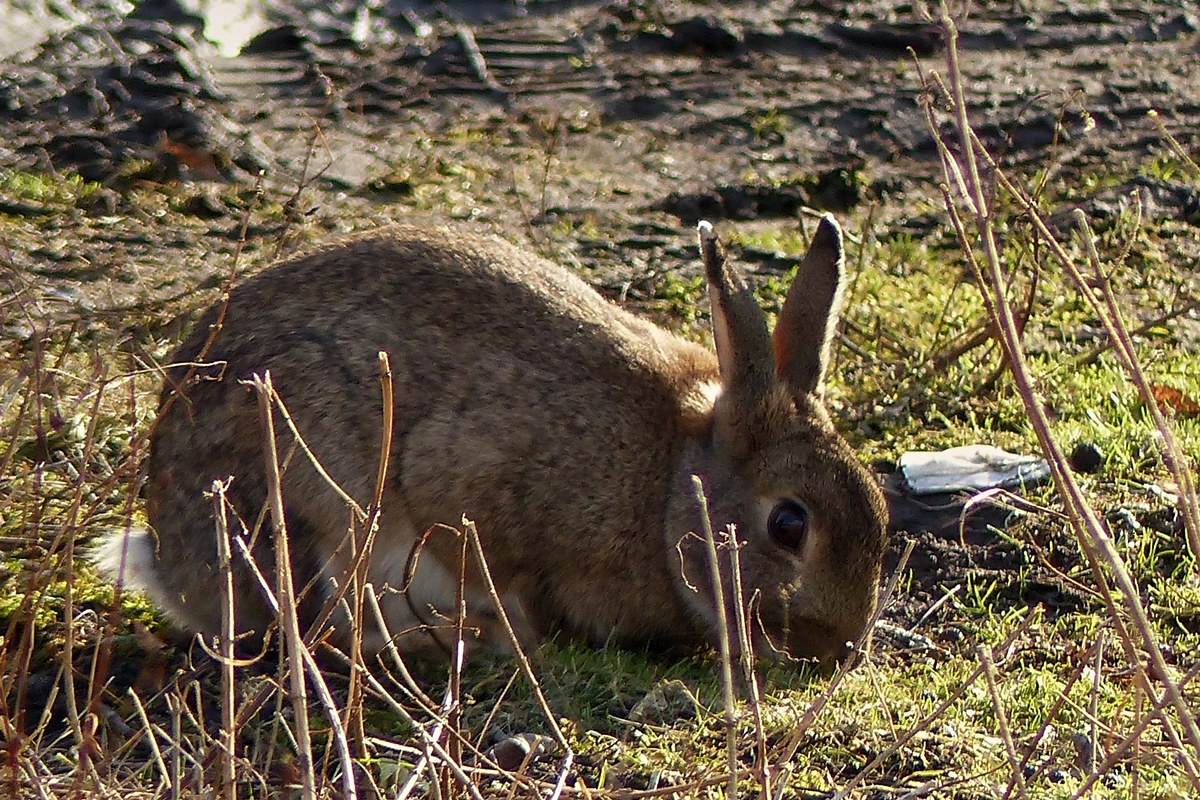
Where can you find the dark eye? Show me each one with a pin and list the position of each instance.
(787, 524)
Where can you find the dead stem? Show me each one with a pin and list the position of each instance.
(1173, 143)
(861, 650)
(409, 685)
(1176, 311)
(361, 557)
(434, 747)
(747, 660)
(522, 659)
(286, 608)
(1093, 537)
(1048, 718)
(1132, 741)
(1094, 703)
(176, 778)
(929, 718)
(724, 642)
(451, 704)
(164, 774)
(68, 531)
(1173, 456)
(1010, 748)
(225, 645)
(307, 665)
(177, 388)
(359, 514)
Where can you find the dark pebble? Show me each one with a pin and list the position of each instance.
(1086, 458)
(513, 752)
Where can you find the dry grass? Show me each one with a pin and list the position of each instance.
(97, 705)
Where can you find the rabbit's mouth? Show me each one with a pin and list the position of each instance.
(806, 639)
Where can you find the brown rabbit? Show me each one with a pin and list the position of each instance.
(567, 428)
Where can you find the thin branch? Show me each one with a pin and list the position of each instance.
(1010, 749)
(861, 648)
(1097, 545)
(286, 605)
(522, 660)
(726, 646)
(228, 693)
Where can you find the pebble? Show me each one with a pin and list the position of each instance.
(513, 752)
(1086, 458)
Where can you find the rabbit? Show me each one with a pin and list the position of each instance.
(567, 428)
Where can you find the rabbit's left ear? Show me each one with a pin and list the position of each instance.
(810, 313)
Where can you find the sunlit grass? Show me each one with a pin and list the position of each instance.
(78, 393)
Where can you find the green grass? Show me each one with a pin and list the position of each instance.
(70, 430)
(65, 190)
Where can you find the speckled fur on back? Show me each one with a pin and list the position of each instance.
(565, 427)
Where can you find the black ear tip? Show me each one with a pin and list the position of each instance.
(826, 245)
(712, 253)
(828, 235)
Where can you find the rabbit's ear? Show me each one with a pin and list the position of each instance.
(810, 313)
(739, 327)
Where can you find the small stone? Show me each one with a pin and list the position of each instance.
(706, 35)
(953, 635)
(205, 205)
(666, 703)
(513, 752)
(1086, 458)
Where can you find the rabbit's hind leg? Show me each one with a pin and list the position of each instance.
(418, 586)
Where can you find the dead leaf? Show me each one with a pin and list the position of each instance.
(1168, 397)
(198, 164)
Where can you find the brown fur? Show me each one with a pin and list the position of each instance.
(565, 427)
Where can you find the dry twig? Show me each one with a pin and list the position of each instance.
(1095, 542)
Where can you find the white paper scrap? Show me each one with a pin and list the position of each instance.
(971, 468)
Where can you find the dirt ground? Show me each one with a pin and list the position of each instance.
(639, 117)
(596, 132)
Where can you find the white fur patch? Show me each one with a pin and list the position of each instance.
(129, 559)
(431, 593)
(126, 558)
(700, 398)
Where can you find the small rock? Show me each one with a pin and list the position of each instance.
(667, 702)
(205, 205)
(1112, 780)
(707, 35)
(1085, 753)
(514, 752)
(1086, 458)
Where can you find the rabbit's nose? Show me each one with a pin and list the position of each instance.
(842, 651)
(812, 640)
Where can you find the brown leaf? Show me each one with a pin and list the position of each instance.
(1170, 398)
(198, 164)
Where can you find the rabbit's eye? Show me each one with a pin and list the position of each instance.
(787, 524)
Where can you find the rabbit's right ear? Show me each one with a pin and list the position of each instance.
(743, 344)
(744, 350)
(810, 313)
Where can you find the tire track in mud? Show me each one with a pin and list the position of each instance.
(122, 86)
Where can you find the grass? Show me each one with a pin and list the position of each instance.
(982, 693)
